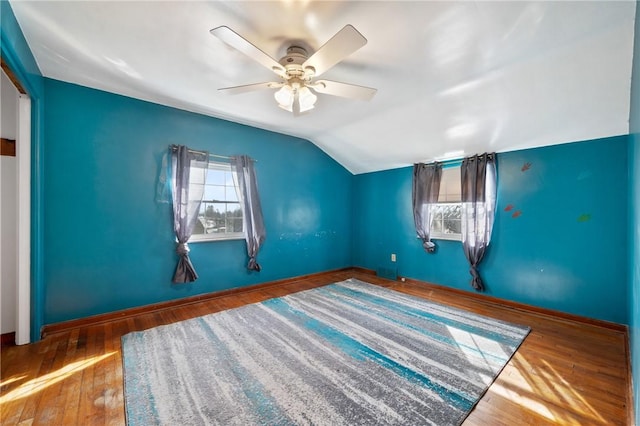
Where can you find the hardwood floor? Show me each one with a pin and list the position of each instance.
(565, 372)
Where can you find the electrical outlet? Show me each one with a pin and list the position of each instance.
(393, 257)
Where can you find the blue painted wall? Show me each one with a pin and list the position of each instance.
(100, 256)
(567, 249)
(109, 245)
(17, 55)
(634, 220)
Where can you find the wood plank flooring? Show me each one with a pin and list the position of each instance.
(565, 372)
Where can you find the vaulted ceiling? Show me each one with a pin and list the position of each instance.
(453, 78)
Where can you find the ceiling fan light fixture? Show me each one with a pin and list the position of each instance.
(285, 97)
(306, 98)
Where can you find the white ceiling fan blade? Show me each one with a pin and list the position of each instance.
(344, 90)
(235, 90)
(345, 42)
(238, 42)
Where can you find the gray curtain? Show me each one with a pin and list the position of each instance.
(425, 191)
(188, 176)
(251, 208)
(478, 178)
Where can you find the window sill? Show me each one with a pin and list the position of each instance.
(207, 239)
(447, 237)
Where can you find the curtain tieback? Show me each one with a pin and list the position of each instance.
(476, 281)
(182, 249)
(429, 247)
(474, 272)
(253, 264)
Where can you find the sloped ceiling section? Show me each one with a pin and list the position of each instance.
(452, 77)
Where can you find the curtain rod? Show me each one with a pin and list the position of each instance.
(453, 162)
(193, 151)
(220, 156)
(445, 163)
(226, 157)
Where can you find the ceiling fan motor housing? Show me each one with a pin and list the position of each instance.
(292, 63)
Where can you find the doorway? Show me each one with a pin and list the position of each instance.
(15, 211)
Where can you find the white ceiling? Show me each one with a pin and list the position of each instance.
(451, 76)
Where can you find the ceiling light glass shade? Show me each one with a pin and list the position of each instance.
(285, 97)
(306, 98)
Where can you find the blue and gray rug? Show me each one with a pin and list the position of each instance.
(350, 353)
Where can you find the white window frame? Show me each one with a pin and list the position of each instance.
(450, 193)
(221, 236)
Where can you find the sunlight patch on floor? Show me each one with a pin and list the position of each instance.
(522, 400)
(39, 383)
(520, 378)
(570, 395)
(11, 380)
(474, 346)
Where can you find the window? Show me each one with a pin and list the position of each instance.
(220, 215)
(446, 222)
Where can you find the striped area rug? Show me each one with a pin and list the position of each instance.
(349, 353)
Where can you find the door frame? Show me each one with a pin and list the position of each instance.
(23, 157)
(23, 332)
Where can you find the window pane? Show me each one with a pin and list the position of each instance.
(450, 186)
(196, 175)
(198, 227)
(232, 194)
(206, 219)
(436, 213)
(220, 211)
(451, 211)
(452, 226)
(203, 209)
(214, 192)
(215, 218)
(206, 210)
(195, 188)
(436, 227)
(236, 224)
(436, 219)
(215, 177)
(446, 219)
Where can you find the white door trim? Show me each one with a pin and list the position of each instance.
(23, 157)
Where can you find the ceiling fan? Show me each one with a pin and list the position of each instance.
(297, 69)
